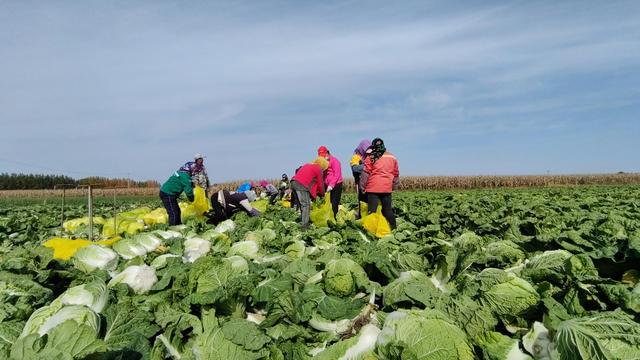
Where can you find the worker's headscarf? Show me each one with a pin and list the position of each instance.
(377, 149)
(362, 147)
(322, 162)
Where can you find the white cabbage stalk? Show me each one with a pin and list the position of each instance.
(170, 348)
(168, 234)
(94, 257)
(194, 248)
(255, 318)
(94, 295)
(336, 327)
(366, 343)
(78, 313)
(538, 342)
(139, 277)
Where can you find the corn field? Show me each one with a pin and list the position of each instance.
(406, 183)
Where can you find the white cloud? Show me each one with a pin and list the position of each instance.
(155, 77)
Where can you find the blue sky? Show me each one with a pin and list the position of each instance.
(125, 88)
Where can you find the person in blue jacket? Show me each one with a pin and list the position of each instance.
(170, 191)
(246, 186)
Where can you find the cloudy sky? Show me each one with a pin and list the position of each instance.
(135, 88)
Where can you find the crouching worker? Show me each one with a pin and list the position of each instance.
(170, 191)
(270, 191)
(226, 203)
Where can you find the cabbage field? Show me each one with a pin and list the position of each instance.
(550, 273)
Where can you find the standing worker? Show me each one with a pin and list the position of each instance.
(379, 178)
(170, 191)
(357, 167)
(332, 178)
(197, 170)
(307, 183)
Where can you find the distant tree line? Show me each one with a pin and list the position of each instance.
(39, 181)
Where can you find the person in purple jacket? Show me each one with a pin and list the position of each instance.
(332, 178)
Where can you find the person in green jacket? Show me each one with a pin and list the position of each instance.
(170, 191)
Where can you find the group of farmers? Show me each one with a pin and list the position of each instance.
(375, 171)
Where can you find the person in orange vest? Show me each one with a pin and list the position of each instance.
(379, 178)
(307, 184)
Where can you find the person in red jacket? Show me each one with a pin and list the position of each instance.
(308, 183)
(332, 178)
(379, 178)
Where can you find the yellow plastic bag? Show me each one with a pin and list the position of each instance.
(363, 209)
(322, 214)
(376, 224)
(200, 201)
(285, 203)
(198, 207)
(64, 248)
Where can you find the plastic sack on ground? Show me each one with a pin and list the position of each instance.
(157, 216)
(72, 225)
(124, 225)
(64, 249)
(376, 224)
(322, 214)
(199, 206)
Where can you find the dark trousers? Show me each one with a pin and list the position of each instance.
(334, 195)
(273, 198)
(304, 199)
(387, 210)
(170, 203)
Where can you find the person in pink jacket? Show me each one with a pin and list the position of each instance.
(379, 178)
(332, 178)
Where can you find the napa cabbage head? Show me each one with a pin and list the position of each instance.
(343, 277)
(45, 319)
(140, 278)
(195, 248)
(506, 294)
(425, 335)
(93, 295)
(249, 249)
(95, 257)
(262, 236)
(411, 287)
